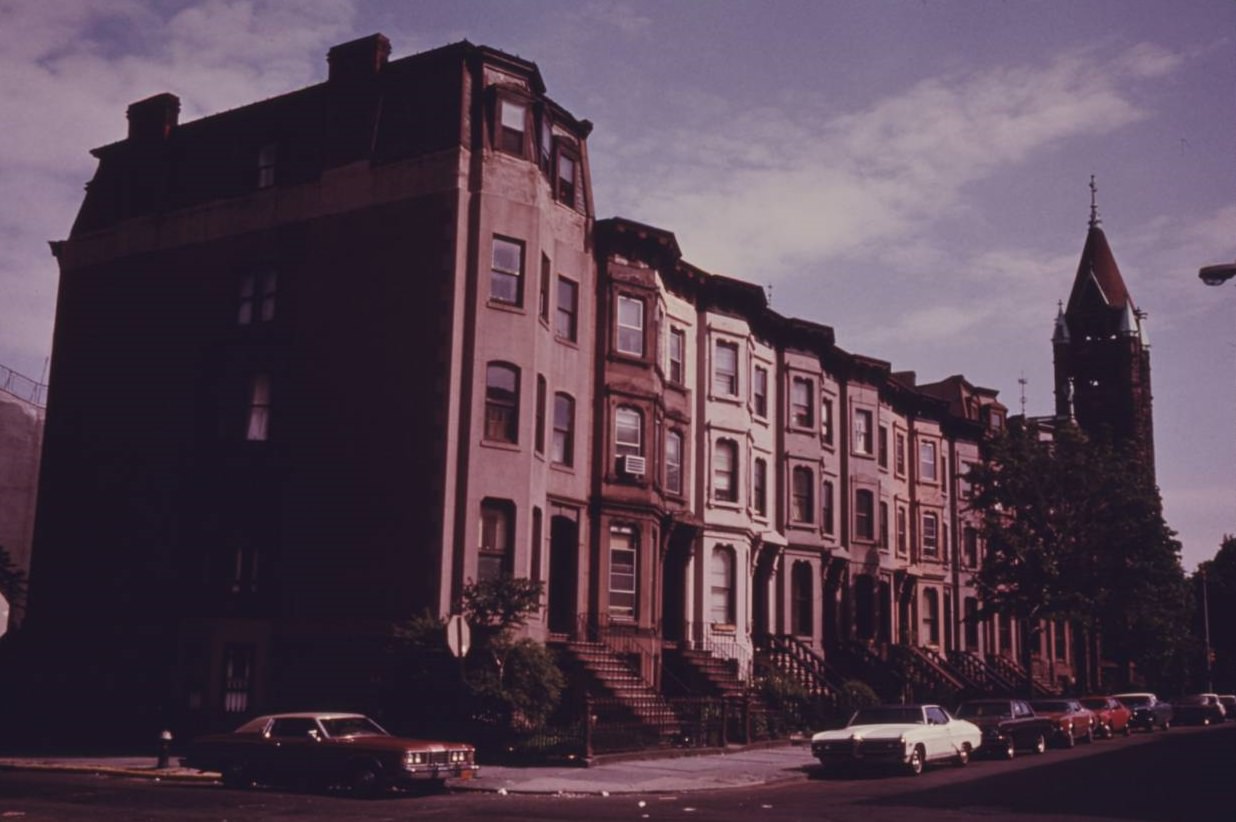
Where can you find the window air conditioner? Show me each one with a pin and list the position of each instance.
(633, 466)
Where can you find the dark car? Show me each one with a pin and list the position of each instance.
(1070, 721)
(1007, 724)
(326, 750)
(1229, 704)
(1149, 712)
(1198, 709)
(1112, 716)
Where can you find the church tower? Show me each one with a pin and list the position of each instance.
(1102, 353)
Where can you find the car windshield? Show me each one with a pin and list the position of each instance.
(969, 710)
(1050, 707)
(1191, 700)
(1135, 701)
(1095, 703)
(893, 715)
(352, 726)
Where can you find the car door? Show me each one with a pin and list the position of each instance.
(940, 732)
(294, 747)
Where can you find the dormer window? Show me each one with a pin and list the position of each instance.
(512, 126)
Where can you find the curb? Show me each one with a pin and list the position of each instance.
(171, 774)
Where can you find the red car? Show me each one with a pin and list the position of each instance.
(1070, 721)
(327, 749)
(1112, 717)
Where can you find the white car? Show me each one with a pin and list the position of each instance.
(901, 735)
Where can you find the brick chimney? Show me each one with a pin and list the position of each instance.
(359, 59)
(154, 118)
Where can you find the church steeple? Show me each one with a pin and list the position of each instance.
(1102, 356)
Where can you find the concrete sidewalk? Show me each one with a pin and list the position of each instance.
(734, 768)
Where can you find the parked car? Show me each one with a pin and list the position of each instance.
(1148, 710)
(1229, 705)
(1006, 724)
(1111, 715)
(1198, 709)
(1070, 721)
(908, 736)
(327, 749)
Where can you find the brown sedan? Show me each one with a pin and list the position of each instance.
(326, 750)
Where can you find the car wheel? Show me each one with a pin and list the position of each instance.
(1040, 744)
(1167, 725)
(1070, 740)
(916, 761)
(1010, 750)
(963, 755)
(236, 775)
(363, 779)
(1089, 737)
(1126, 730)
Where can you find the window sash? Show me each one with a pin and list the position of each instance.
(627, 435)
(862, 431)
(864, 514)
(725, 369)
(927, 460)
(631, 326)
(566, 325)
(506, 272)
(501, 403)
(677, 355)
(759, 486)
(673, 462)
(257, 428)
(623, 573)
(800, 498)
(931, 535)
(800, 403)
(721, 589)
(724, 471)
(759, 391)
(563, 446)
(512, 124)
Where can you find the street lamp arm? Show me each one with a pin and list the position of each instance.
(1217, 274)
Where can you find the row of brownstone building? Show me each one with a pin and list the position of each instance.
(322, 360)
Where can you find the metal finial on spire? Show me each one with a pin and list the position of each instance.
(1094, 204)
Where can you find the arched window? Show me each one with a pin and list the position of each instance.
(721, 596)
(725, 471)
(502, 402)
(494, 556)
(801, 505)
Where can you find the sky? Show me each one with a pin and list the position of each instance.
(914, 174)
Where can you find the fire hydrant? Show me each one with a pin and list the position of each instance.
(165, 749)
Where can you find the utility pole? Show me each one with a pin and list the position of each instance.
(1210, 685)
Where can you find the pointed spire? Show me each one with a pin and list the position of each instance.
(1095, 222)
(1061, 334)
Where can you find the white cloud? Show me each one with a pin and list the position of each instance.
(807, 187)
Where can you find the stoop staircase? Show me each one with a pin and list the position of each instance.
(620, 695)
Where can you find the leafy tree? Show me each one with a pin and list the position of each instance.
(516, 683)
(1218, 596)
(12, 580)
(1075, 531)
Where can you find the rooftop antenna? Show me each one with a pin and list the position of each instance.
(1022, 381)
(768, 294)
(1095, 222)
